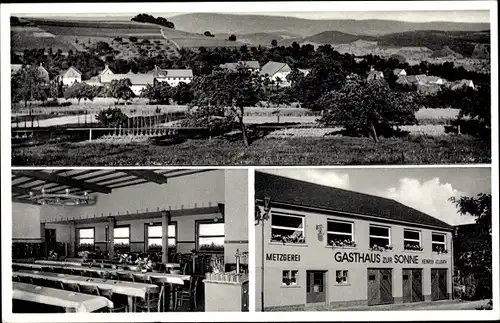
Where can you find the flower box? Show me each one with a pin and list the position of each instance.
(341, 243)
(288, 239)
(380, 248)
(413, 247)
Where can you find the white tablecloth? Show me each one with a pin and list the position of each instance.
(57, 297)
(118, 287)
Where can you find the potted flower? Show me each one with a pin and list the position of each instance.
(53, 255)
(125, 258)
(440, 250)
(85, 255)
(144, 264)
(341, 243)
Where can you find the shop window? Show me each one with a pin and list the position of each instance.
(287, 228)
(154, 236)
(342, 277)
(340, 233)
(412, 240)
(210, 236)
(439, 243)
(121, 238)
(86, 236)
(380, 237)
(290, 277)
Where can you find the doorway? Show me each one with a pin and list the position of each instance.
(50, 240)
(379, 286)
(412, 286)
(439, 284)
(315, 292)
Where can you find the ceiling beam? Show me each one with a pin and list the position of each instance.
(148, 175)
(64, 181)
(24, 201)
(20, 190)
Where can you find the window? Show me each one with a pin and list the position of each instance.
(411, 240)
(121, 235)
(380, 236)
(438, 242)
(86, 236)
(339, 233)
(342, 277)
(289, 277)
(287, 228)
(154, 235)
(210, 236)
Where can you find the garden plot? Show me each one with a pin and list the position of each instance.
(59, 121)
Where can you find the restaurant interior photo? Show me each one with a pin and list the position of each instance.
(129, 240)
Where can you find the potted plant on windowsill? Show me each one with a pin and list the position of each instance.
(144, 264)
(440, 250)
(381, 248)
(338, 243)
(211, 248)
(413, 247)
(288, 238)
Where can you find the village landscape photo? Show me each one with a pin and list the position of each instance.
(276, 88)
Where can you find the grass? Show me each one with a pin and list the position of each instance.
(293, 151)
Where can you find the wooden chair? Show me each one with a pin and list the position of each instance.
(94, 274)
(150, 304)
(27, 280)
(140, 278)
(118, 304)
(88, 289)
(188, 294)
(71, 287)
(159, 282)
(68, 271)
(123, 276)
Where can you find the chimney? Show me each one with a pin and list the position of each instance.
(41, 64)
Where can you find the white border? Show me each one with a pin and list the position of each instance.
(7, 9)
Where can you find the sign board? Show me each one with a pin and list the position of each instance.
(282, 257)
(377, 258)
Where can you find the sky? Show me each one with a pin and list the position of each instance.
(424, 189)
(471, 16)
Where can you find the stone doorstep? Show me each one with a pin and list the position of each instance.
(399, 306)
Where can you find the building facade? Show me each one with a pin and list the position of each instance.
(327, 246)
(71, 76)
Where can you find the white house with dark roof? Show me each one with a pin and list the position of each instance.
(399, 72)
(71, 76)
(277, 72)
(172, 76)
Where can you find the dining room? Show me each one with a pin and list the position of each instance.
(129, 240)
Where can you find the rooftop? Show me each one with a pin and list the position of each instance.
(306, 194)
(272, 68)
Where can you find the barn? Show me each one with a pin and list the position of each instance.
(332, 247)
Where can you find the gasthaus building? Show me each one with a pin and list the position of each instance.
(321, 245)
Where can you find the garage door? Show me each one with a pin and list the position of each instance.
(379, 286)
(412, 286)
(439, 284)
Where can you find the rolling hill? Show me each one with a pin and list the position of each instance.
(248, 24)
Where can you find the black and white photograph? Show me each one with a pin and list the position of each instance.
(373, 239)
(129, 241)
(246, 88)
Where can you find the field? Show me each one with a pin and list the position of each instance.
(294, 151)
(30, 37)
(192, 40)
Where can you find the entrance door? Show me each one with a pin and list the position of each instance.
(379, 286)
(315, 292)
(439, 284)
(412, 285)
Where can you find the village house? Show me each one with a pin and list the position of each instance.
(399, 72)
(374, 75)
(277, 72)
(253, 66)
(172, 76)
(70, 76)
(461, 84)
(139, 81)
(14, 68)
(407, 80)
(322, 245)
(429, 79)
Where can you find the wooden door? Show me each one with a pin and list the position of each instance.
(407, 286)
(416, 285)
(373, 287)
(386, 286)
(434, 285)
(443, 284)
(50, 240)
(315, 291)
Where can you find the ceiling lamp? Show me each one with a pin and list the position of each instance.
(66, 199)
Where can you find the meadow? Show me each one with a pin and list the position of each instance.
(267, 151)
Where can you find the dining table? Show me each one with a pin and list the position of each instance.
(70, 301)
(130, 289)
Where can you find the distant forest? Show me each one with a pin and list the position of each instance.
(143, 17)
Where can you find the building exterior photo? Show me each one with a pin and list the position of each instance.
(321, 245)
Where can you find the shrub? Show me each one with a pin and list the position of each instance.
(132, 39)
(112, 117)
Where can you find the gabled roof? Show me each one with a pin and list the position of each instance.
(304, 194)
(71, 68)
(249, 64)
(374, 75)
(135, 79)
(397, 71)
(271, 68)
(303, 71)
(106, 69)
(170, 73)
(407, 79)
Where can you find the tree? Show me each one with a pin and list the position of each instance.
(120, 89)
(159, 92)
(111, 117)
(133, 39)
(473, 247)
(232, 38)
(208, 34)
(102, 48)
(182, 93)
(28, 85)
(367, 107)
(274, 43)
(228, 91)
(80, 91)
